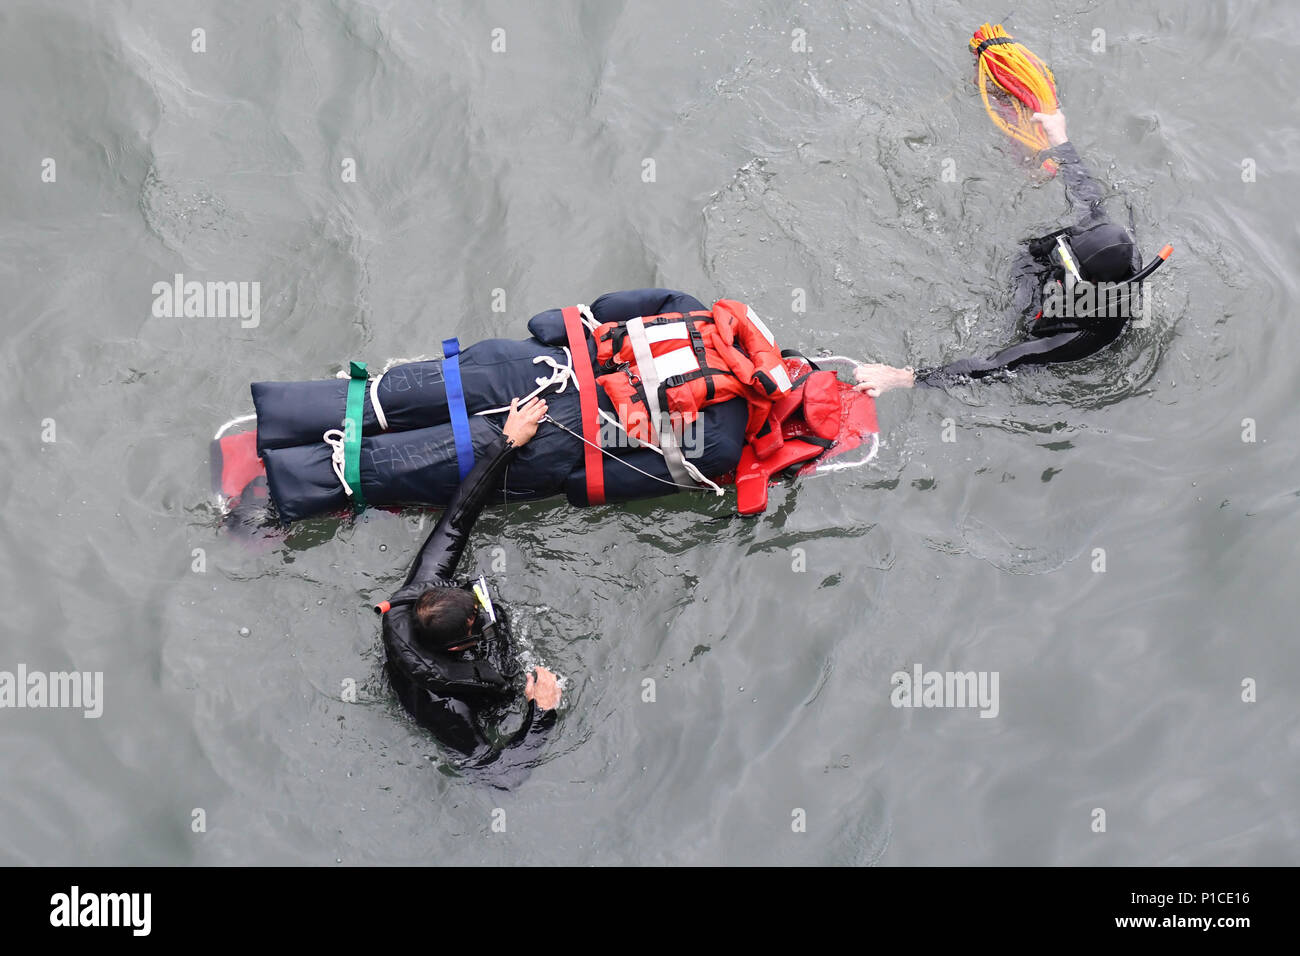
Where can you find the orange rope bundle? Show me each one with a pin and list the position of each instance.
(1026, 81)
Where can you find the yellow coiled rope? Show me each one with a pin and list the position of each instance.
(1025, 80)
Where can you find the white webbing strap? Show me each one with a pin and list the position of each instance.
(645, 365)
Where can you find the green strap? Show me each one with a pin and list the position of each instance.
(352, 422)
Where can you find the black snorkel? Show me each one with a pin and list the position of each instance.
(1066, 258)
(1064, 252)
(1151, 266)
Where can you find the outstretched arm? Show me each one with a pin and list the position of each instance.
(877, 379)
(1083, 189)
(443, 548)
(1037, 351)
(1085, 194)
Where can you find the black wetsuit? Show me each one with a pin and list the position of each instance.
(1050, 340)
(454, 694)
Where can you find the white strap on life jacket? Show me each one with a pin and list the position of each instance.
(649, 372)
(678, 361)
(758, 324)
(781, 377)
(668, 331)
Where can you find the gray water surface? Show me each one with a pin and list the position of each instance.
(781, 162)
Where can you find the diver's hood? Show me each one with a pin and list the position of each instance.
(402, 604)
(1104, 252)
(427, 668)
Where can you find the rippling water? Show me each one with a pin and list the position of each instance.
(782, 161)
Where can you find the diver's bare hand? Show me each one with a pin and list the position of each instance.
(545, 691)
(876, 379)
(1053, 125)
(521, 423)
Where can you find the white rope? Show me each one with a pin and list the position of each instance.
(380, 417)
(627, 464)
(232, 423)
(873, 447)
(561, 376)
(691, 469)
(392, 363)
(838, 358)
(334, 438)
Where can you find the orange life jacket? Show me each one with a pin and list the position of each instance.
(700, 358)
(803, 426)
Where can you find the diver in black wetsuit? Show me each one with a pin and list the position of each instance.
(447, 647)
(1096, 249)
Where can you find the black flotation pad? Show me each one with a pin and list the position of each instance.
(414, 461)
(412, 396)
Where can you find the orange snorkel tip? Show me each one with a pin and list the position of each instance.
(1153, 265)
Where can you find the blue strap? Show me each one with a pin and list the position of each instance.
(456, 405)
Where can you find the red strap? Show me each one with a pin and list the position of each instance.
(588, 403)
